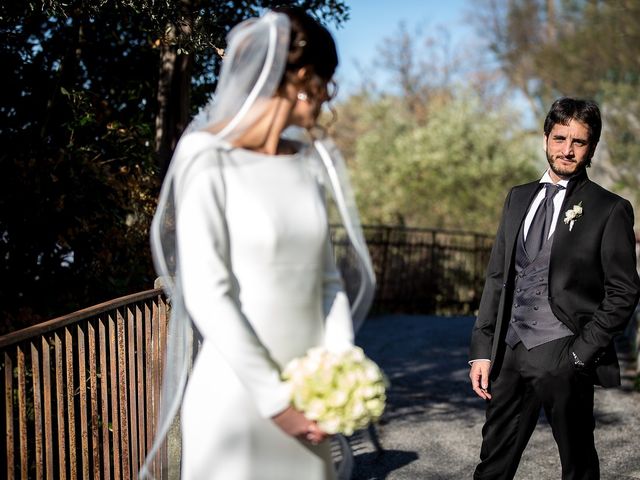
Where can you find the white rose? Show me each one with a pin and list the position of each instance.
(330, 425)
(337, 398)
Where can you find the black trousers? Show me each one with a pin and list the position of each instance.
(529, 380)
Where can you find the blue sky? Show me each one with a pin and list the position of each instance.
(371, 21)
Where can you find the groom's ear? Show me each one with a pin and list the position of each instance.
(545, 137)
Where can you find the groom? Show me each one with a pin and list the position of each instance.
(561, 283)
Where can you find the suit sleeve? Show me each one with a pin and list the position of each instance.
(483, 332)
(621, 284)
(210, 298)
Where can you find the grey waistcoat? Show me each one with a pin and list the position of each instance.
(532, 320)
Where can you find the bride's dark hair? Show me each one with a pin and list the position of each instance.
(310, 46)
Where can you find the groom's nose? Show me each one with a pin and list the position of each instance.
(567, 148)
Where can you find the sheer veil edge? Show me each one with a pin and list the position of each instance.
(251, 71)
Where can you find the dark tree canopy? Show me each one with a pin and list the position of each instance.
(95, 96)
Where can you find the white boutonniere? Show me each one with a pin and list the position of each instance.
(573, 214)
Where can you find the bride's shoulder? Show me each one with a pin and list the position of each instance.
(194, 147)
(197, 159)
(193, 142)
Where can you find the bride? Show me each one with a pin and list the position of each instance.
(242, 230)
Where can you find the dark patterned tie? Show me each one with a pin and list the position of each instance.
(541, 223)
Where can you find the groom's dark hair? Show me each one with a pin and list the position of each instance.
(566, 109)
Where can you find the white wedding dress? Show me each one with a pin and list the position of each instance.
(261, 286)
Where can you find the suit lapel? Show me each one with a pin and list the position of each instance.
(520, 201)
(573, 197)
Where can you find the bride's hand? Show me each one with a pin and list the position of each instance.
(294, 423)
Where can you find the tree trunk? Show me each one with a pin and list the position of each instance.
(174, 90)
(173, 103)
(551, 21)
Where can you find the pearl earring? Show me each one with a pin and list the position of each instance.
(302, 96)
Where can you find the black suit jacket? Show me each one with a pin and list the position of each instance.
(593, 281)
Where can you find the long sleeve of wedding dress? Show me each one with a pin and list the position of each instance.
(211, 298)
(261, 286)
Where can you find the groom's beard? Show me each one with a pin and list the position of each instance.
(565, 171)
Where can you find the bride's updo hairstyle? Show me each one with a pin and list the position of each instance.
(310, 46)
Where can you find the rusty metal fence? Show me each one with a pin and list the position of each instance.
(81, 392)
(421, 270)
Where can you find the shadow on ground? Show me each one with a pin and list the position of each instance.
(427, 367)
(378, 465)
(431, 428)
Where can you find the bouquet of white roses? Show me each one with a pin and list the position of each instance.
(343, 392)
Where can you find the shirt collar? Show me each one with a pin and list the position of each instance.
(546, 178)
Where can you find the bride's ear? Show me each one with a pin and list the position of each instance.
(302, 73)
(293, 79)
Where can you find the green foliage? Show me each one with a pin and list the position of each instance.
(621, 110)
(79, 172)
(566, 47)
(451, 171)
(436, 145)
(77, 163)
(580, 48)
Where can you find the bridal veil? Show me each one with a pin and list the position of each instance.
(252, 68)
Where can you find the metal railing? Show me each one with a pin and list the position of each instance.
(421, 270)
(81, 392)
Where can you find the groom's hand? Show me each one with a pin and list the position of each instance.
(479, 376)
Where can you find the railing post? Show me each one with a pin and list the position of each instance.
(73, 394)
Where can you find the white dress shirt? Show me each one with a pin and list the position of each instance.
(557, 203)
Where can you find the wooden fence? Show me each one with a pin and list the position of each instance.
(81, 392)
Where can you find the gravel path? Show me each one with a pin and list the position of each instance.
(432, 426)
